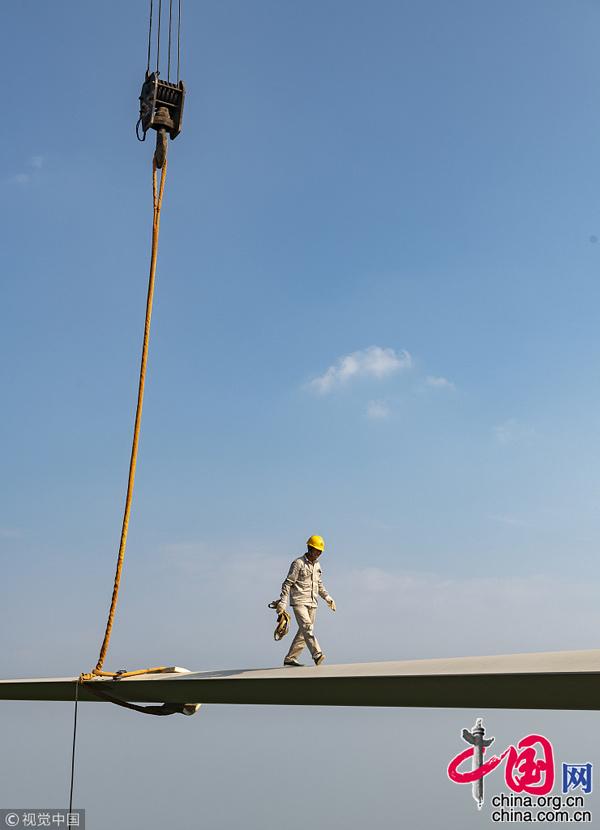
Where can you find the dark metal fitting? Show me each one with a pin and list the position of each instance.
(161, 105)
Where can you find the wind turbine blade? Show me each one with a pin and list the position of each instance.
(549, 680)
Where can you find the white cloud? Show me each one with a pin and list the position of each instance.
(512, 521)
(35, 163)
(10, 533)
(439, 382)
(510, 620)
(378, 410)
(510, 431)
(375, 362)
(383, 613)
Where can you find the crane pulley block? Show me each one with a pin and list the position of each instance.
(161, 105)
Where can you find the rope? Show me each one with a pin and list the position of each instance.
(283, 625)
(283, 622)
(157, 195)
(73, 750)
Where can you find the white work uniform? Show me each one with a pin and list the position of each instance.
(303, 585)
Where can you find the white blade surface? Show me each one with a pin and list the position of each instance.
(548, 680)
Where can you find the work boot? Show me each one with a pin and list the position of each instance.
(318, 658)
(291, 661)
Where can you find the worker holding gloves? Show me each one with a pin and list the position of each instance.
(302, 586)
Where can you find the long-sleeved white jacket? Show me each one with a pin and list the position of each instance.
(303, 583)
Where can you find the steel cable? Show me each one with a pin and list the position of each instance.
(149, 37)
(158, 37)
(178, 35)
(170, 24)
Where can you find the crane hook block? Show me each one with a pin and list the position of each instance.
(161, 105)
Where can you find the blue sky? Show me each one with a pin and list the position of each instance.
(399, 199)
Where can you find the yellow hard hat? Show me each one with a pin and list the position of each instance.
(316, 542)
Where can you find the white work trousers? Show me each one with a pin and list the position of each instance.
(305, 617)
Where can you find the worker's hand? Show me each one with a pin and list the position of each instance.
(330, 602)
(280, 607)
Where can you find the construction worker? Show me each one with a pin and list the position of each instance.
(302, 585)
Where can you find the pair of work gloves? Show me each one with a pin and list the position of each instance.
(329, 600)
